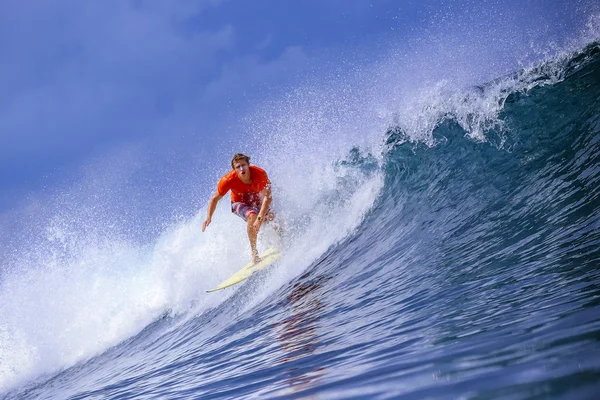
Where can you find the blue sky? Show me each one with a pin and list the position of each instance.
(85, 82)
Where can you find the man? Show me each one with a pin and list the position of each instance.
(250, 197)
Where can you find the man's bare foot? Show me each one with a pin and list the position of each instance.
(255, 258)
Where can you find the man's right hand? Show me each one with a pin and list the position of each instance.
(212, 204)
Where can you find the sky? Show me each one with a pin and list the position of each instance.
(92, 88)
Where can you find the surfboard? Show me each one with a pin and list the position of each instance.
(268, 258)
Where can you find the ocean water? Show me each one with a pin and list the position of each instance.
(458, 257)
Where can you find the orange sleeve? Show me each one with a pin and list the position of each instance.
(224, 185)
(263, 179)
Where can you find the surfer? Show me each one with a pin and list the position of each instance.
(250, 197)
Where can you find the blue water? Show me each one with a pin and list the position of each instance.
(459, 260)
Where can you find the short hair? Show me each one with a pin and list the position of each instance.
(239, 156)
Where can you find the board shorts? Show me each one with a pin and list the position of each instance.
(244, 210)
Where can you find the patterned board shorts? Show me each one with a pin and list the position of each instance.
(243, 210)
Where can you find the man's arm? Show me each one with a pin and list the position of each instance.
(264, 208)
(212, 205)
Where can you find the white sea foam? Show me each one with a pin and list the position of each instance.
(85, 287)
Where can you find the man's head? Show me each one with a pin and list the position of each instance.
(238, 157)
(241, 164)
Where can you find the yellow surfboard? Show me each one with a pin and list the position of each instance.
(268, 258)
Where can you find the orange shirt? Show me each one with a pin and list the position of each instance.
(240, 191)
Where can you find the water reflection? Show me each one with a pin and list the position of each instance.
(299, 334)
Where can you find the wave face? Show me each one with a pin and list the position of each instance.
(463, 262)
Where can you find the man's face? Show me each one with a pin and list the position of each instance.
(242, 168)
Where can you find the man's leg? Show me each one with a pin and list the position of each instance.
(252, 234)
(248, 214)
(278, 227)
